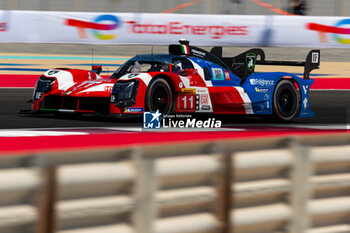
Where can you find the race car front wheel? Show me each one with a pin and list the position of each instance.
(286, 101)
(159, 97)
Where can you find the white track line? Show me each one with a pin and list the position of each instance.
(37, 132)
(344, 126)
(34, 133)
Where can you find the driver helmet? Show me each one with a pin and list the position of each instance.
(136, 68)
(177, 67)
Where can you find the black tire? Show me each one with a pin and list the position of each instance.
(159, 97)
(286, 101)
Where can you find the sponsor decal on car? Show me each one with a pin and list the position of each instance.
(185, 49)
(205, 107)
(261, 82)
(113, 98)
(218, 74)
(188, 90)
(38, 95)
(314, 57)
(197, 53)
(305, 100)
(204, 99)
(250, 60)
(133, 110)
(227, 75)
(202, 90)
(187, 102)
(262, 89)
(108, 88)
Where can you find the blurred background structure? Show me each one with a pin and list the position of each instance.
(243, 7)
(277, 184)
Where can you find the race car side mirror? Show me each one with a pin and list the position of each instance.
(97, 69)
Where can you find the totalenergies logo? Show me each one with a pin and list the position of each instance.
(178, 28)
(336, 31)
(101, 23)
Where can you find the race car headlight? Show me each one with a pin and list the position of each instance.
(124, 93)
(124, 90)
(43, 85)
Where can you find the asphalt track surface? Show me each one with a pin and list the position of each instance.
(330, 107)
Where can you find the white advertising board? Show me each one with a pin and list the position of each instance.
(162, 29)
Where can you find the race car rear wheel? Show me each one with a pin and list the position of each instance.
(159, 97)
(286, 101)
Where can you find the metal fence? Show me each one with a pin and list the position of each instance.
(267, 185)
(317, 7)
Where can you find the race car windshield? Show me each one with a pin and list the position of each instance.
(135, 67)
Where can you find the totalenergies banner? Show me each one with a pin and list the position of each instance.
(162, 29)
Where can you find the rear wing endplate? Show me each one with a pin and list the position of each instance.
(312, 62)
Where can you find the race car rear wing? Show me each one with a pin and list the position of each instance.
(312, 62)
(243, 65)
